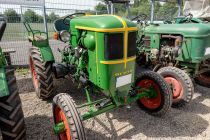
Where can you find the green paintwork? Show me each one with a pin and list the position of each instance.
(196, 39)
(99, 22)
(150, 93)
(2, 59)
(3, 81)
(43, 44)
(187, 30)
(105, 78)
(102, 76)
(59, 128)
(84, 55)
(4, 91)
(180, 20)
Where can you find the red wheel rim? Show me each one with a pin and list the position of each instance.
(33, 73)
(177, 88)
(59, 117)
(151, 103)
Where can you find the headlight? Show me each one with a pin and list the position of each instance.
(64, 36)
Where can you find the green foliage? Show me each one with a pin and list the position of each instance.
(52, 17)
(12, 16)
(165, 11)
(101, 7)
(31, 16)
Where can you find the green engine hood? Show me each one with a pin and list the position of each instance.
(100, 22)
(187, 30)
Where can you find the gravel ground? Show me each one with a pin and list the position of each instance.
(189, 122)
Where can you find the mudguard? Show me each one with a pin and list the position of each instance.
(40, 40)
(4, 91)
(46, 51)
(2, 59)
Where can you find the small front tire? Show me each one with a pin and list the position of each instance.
(160, 104)
(64, 109)
(180, 83)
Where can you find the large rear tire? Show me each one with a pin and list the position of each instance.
(42, 74)
(180, 83)
(64, 109)
(160, 104)
(12, 123)
(203, 79)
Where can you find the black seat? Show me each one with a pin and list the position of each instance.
(60, 26)
(2, 28)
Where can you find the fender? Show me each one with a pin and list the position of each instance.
(45, 50)
(4, 91)
(2, 59)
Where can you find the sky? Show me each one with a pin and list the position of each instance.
(67, 5)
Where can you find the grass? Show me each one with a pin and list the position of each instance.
(17, 31)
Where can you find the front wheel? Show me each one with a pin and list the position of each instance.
(152, 82)
(180, 83)
(67, 119)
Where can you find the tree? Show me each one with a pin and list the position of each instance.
(52, 17)
(12, 16)
(31, 16)
(167, 11)
(142, 8)
(102, 8)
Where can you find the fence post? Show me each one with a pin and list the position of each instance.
(152, 3)
(45, 19)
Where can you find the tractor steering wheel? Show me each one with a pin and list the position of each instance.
(140, 18)
(69, 17)
(188, 18)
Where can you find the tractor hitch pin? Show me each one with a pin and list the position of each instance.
(59, 128)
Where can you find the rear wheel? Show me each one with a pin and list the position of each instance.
(160, 103)
(64, 110)
(203, 79)
(41, 73)
(180, 83)
(11, 115)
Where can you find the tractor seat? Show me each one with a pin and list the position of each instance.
(37, 38)
(60, 26)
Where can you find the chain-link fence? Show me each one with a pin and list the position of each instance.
(15, 41)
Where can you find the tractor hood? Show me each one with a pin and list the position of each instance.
(187, 30)
(101, 22)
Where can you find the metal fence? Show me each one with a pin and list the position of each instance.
(15, 40)
(15, 37)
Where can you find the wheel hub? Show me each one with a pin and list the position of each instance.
(61, 122)
(177, 88)
(152, 101)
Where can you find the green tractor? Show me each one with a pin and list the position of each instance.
(12, 124)
(100, 56)
(176, 49)
(178, 80)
